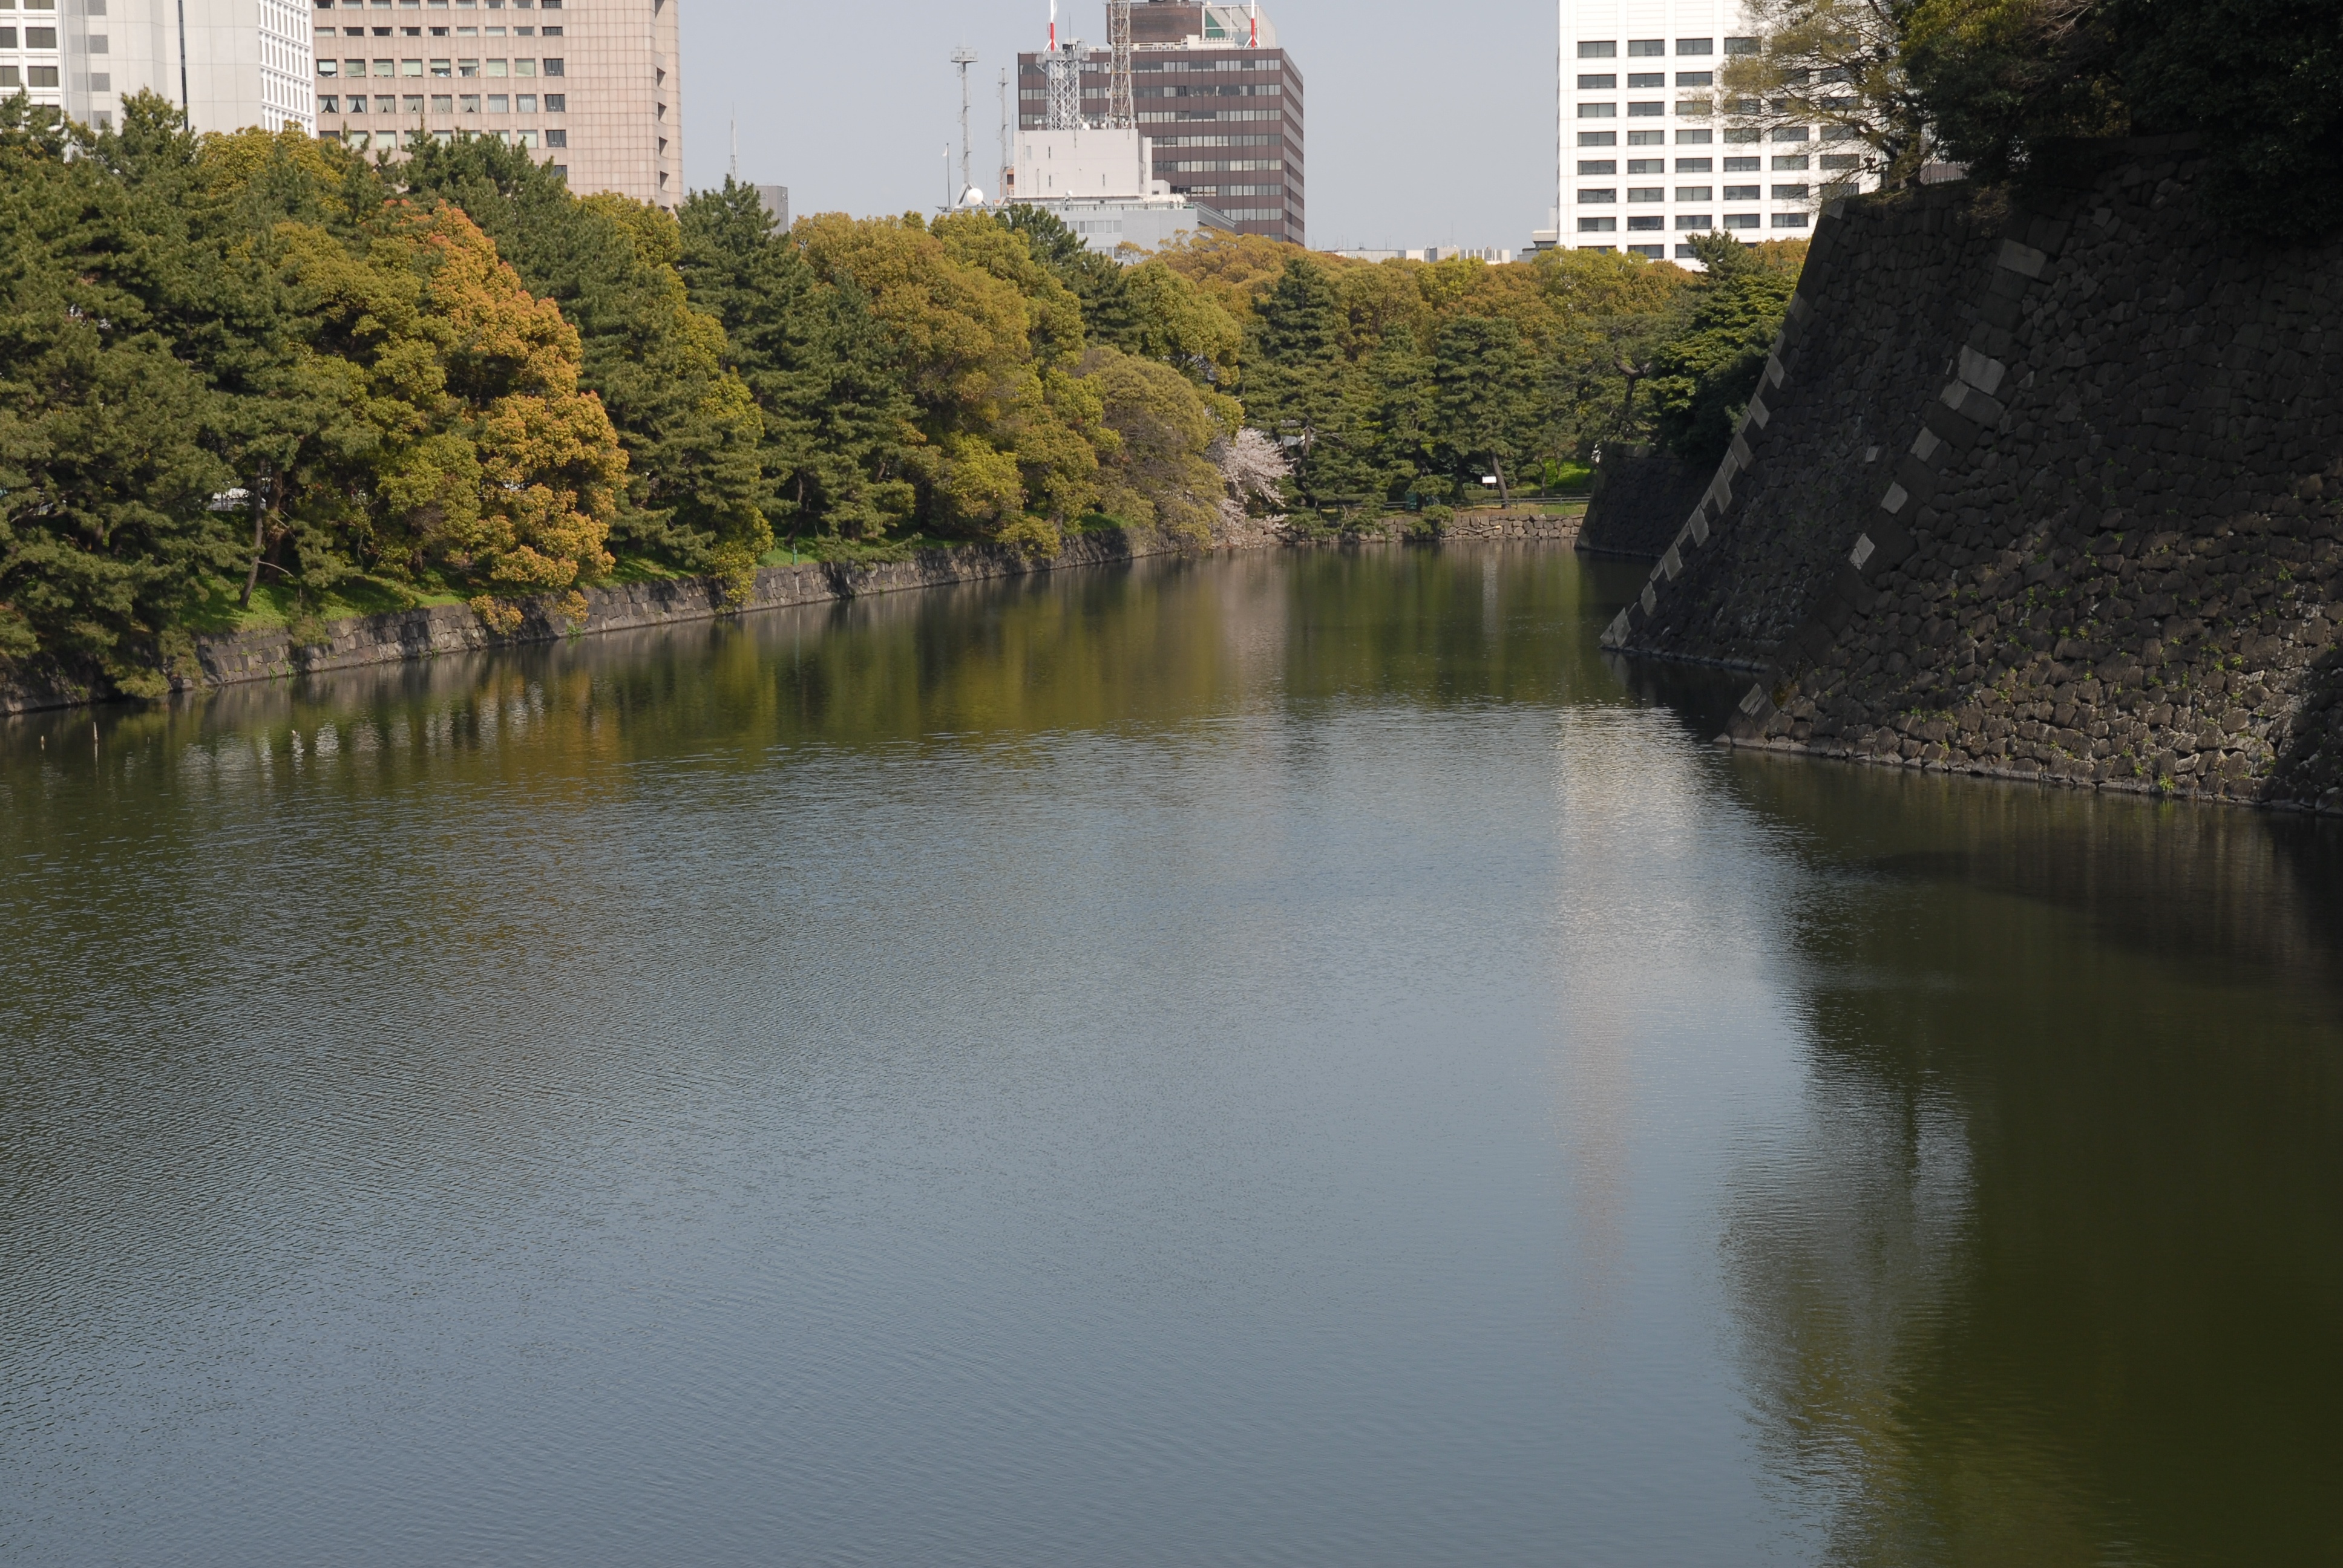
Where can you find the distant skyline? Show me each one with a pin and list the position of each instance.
(1427, 125)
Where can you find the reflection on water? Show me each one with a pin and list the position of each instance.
(1287, 1058)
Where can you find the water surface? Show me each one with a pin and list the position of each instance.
(1278, 1060)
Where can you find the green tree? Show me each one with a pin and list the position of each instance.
(689, 426)
(1300, 389)
(1484, 409)
(1704, 373)
(838, 432)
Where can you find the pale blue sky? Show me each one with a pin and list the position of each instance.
(1428, 123)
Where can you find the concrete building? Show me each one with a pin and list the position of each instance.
(32, 52)
(1219, 103)
(1494, 255)
(1647, 161)
(593, 88)
(229, 63)
(775, 199)
(1096, 180)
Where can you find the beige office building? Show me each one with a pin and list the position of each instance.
(228, 63)
(592, 87)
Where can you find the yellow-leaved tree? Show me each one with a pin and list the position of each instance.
(465, 450)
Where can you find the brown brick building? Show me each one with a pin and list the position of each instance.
(1220, 104)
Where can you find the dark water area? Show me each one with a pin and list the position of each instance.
(1287, 1058)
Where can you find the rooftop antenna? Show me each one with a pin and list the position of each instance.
(1119, 112)
(1064, 69)
(1254, 10)
(964, 57)
(1008, 166)
(736, 143)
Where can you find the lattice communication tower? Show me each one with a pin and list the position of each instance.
(1120, 110)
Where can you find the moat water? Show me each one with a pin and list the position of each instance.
(1291, 1059)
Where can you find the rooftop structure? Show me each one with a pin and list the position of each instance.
(1218, 101)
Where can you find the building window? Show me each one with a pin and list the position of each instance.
(1695, 46)
(1695, 78)
(468, 67)
(1789, 193)
(1743, 167)
(1599, 194)
(40, 37)
(494, 68)
(324, 67)
(1598, 49)
(1647, 138)
(469, 102)
(8, 76)
(414, 105)
(1646, 111)
(1789, 132)
(498, 104)
(1696, 192)
(524, 67)
(1647, 193)
(1598, 111)
(1598, 166)
(1647, 165)
(526, 139)
(443, 103)
(553, 67)
(1649, 252)
(1698, 221)
(1687, 253)
(40, 75)
(410, 67)
(1607, 81)
(560, 172)
(1694, 165)
(1740, 219)
(1598, 225)
(557, 137)
(557, 102)
(1694, 138)
(1598, 138)
(440, 68)
(328, 104)
(1638, 48)
(1789, 220)
(1647, 79)
(1790, 162)
(1639, 225)
(1743, 45)
(525, 103)
(1745, 193)
(1842, 161)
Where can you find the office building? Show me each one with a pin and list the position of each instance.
(1216, 99)
(593, 88)
(1646, 158)
(229, 63)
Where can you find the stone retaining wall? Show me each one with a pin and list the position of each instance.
(1641, 499)
(262, 654)
(2046, 492)
(1497, 523)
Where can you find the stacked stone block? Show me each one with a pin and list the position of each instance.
(2106, 550)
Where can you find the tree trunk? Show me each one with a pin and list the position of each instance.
(1505, 491)
(259, 525)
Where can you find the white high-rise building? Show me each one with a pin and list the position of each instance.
(229, 63)
(1647, 161)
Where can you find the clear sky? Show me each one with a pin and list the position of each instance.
(1429, 123)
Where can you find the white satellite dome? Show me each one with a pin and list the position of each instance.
(971, 197)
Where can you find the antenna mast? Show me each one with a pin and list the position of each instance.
(1008, 167)
(1064, 69)
(736, 143)
(1120, 113)
(964, 57)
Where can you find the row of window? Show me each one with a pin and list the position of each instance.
(1785, 161)
(1607, 83)
(552, 68)
(442, 4)
(1602, 194)
(441, 104)
(359, 141)
(35, 37)
(1220, 165)
(1696, 222)
(1701, 138)
(1225, 90)
(1229, 190)
(1640, 48)
(1656, 108)
(34, 76)
(325, 36)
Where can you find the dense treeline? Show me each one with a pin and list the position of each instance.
(257, 373)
